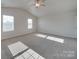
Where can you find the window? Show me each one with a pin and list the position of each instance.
(29, 23)
(8, 23)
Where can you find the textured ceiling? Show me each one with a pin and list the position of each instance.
(52, 6)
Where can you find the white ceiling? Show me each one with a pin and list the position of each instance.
(52, 6)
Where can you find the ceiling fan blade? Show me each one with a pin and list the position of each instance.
(43, 5)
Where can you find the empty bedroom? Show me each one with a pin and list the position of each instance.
(38, 29)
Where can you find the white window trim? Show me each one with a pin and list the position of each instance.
(11, 29)
(30, 23)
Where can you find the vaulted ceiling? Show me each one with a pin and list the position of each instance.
(52, 6)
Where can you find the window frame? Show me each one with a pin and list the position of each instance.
(30, 24)
(12, 28)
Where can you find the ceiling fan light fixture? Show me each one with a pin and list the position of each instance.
(37, 5)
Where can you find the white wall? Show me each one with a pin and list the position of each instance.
(62, 24)
(20, 22)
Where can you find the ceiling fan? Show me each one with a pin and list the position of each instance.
(39, 3)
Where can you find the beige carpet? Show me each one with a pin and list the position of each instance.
(47, 48)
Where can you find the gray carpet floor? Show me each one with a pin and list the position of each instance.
(47, 48)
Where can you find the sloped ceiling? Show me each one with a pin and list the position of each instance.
(52, 6)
